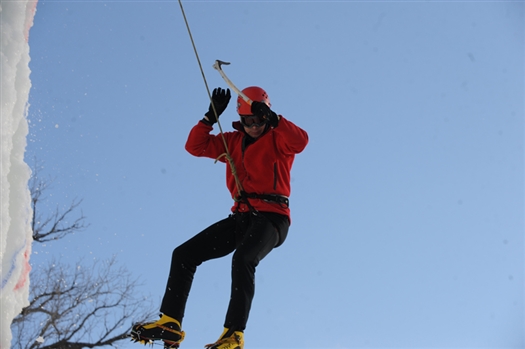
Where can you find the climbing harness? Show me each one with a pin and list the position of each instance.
(272, 198)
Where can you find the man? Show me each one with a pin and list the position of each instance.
(261, 153)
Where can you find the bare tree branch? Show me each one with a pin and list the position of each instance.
(57, 225)
(79, 306)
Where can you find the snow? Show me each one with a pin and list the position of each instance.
(16, 18)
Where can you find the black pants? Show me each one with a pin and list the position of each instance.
(251, 235)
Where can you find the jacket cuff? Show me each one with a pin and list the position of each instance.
(206, 122)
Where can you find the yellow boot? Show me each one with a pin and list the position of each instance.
(166, 329)
(229, 339)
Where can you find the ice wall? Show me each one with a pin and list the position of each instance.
(16, 18)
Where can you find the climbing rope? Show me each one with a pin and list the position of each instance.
(227, 152)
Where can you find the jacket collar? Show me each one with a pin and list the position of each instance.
(238, 126)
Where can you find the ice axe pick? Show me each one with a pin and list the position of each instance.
(217, 65)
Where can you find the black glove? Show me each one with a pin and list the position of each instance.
(263, 111)
(220, 99)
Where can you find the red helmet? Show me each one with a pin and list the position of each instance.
(255, 94)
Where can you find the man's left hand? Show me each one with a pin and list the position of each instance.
(263, 111)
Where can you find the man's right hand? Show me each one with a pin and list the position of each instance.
(220, 99)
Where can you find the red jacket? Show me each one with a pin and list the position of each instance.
(263, 167)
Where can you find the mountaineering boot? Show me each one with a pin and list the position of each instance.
(229, 339)
(166, 329)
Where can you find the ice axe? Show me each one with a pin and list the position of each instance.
(217, 65)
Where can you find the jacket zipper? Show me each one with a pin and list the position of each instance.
(274, 176)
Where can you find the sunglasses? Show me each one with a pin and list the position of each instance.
(252, 120)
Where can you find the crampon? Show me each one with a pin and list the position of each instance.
(151, 342)
(137, 338)
(166, 330)
(229, 340)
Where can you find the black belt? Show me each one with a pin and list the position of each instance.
(274, 198)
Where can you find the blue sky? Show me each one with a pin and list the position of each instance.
(407, 204)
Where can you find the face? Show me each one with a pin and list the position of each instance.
(254, 131)
(253, 125)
